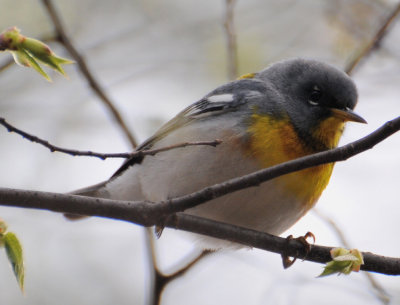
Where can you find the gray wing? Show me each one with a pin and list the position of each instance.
(222, 100)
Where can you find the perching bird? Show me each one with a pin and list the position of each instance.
(291, 109)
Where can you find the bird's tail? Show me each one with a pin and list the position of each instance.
(97, 190)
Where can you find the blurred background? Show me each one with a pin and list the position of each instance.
(154, 58)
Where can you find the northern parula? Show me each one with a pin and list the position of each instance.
(291, 109)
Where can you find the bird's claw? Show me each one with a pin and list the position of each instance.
(286, 260)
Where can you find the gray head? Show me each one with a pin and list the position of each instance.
(311, 91)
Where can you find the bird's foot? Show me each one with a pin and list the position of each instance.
(286, 260)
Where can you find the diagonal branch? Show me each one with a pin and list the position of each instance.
(148, 214)
(94, 84)
(162, 280)
(254, 179)
(377, 38)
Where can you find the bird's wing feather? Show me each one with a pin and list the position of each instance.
(223, 99)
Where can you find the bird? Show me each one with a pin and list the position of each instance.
(291, 109)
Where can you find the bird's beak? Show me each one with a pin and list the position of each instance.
(347, 115)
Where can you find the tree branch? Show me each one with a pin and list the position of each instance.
(264, 241)
(147, 214)
(94, 84)
(162, 280)
(377, 38)
(337, 154)
(136, 213)
(103, 156)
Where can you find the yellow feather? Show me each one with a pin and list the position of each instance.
(247, 75)
(274, 141)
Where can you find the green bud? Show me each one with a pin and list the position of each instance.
(28, 51)
(43, 53)
(15, 257)
(344, 261)
(37, 48)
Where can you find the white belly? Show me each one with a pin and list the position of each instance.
(185, 170)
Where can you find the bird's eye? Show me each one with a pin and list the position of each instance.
(315, 96)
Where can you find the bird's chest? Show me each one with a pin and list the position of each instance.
(273, 142)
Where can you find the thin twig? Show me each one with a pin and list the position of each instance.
(184, 269)
(103, 156)
(231, 45)
(377, 38)
(162, 280)
(94, 84)
(153, 266)
(380, 292)
(334, 227)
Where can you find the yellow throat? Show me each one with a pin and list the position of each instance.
(274, 141)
